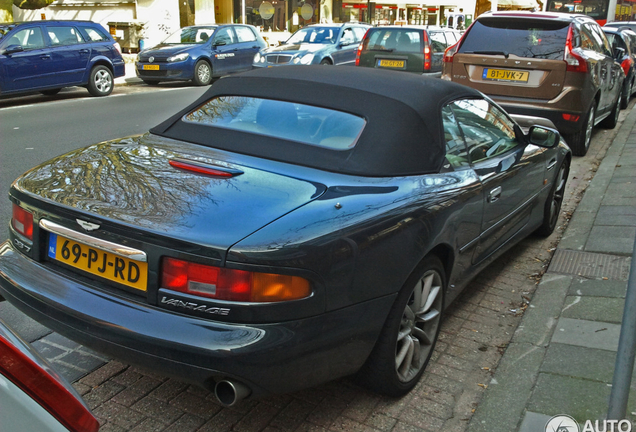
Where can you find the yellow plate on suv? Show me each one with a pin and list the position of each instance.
(98, 262)
(505, 75)
(391, 63)
(151, 67)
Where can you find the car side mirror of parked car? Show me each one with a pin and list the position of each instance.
(543, 137)
(11, 49)
(619, 53)
(219, 43)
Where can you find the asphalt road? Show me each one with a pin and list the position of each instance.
(35, 128)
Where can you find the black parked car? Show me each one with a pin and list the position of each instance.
(621, 43)
(278, 233)
(46, 56)
(200, 53)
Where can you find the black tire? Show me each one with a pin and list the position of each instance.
(326, 62)
(202, 73)
(150, 81)
(580, 141)
(51, 92)
(552, 207)
(100, 81)
(396, 363)
(611, 121)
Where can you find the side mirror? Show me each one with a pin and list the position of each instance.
(219, 43)
(619, 53)
(13, 49)
(543, 137)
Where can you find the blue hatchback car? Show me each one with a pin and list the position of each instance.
(199, 53)
(46, 56)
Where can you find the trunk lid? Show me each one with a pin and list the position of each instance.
(130, 182)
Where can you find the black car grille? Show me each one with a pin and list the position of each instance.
(279, 58)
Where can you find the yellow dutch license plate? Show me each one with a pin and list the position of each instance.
(506, 75)
(391, 63)
(151, 67)
(97, 262)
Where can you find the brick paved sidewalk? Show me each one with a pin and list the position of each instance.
(474, 336)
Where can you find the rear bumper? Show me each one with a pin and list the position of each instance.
(268, 358)
(553, 114)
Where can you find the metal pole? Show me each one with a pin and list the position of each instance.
(626, 350)
(243, 12)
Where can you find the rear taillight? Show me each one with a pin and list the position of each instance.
(22, 221)
(360, 47)
(626, 65)
(427, 53)
(44, 388)
(574, 62)
(450, 53)
(229, 284)
(570, 117)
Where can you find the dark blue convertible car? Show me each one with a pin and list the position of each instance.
(278, 233)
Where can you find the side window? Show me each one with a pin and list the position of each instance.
(451, 37)
(64, 36)
(245, 34)
(224, 36)
(487, 130)
(29, 38)
(94, 35)
(587, 41)
(359, 33)
(456, 153)
(347, 37)
(438, 41)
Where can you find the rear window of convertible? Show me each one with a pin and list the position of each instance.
(306, 124)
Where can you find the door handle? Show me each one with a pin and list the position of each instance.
(45, 56)
(494, 194)
(235, 49)
(84, 51)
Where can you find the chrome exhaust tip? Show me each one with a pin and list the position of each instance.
(229, 392)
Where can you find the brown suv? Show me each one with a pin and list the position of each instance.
(553, 65)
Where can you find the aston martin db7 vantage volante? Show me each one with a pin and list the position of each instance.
(292, 226)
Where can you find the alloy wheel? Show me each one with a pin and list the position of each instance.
(103, 81)
(419, 325)
(203, 72)
(559, 191)
(589, 126)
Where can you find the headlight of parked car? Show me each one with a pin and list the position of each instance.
(306, 59)
(257, 58)
(178, 57)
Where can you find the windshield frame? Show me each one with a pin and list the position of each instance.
(307, 33)
(193, 32)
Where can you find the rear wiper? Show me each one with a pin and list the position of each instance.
(382, 49)
(503, 53)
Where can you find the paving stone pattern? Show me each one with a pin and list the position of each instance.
(475, 333)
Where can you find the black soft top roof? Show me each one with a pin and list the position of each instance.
(403, 135)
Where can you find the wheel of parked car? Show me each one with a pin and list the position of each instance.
(325, 62)
(579, 142)
(612, 120)
(627, 93)
(410, 332)
(150, 82)
(100, 82)
(202, 73)
(52, 92)
(552, 206)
